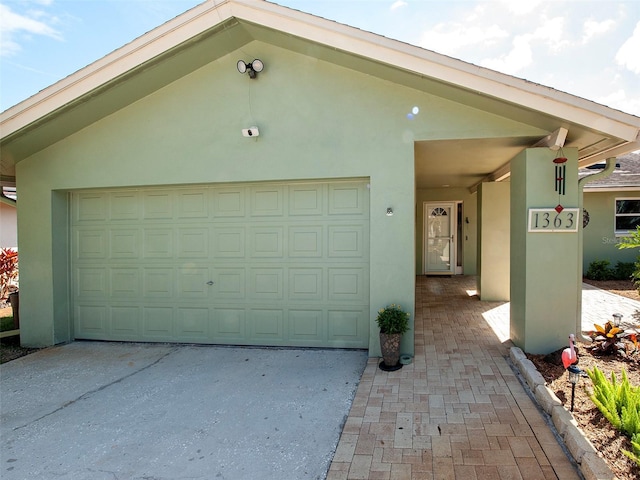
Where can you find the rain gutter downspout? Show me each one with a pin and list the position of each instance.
(608, 169)
(8, 201)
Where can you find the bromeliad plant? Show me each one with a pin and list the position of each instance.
(619, 402)
(392, 319)
(612, 340)
(8, 272)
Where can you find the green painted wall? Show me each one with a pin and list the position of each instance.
(469, 210)
(494, 241)
(545, 282)
(599, 238)
(317, 121)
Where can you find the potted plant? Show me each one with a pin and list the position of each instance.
(393, 323)
(9, 281)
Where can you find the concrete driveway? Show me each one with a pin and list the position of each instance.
(92, 410)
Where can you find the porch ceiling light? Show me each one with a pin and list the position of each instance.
(252, 69)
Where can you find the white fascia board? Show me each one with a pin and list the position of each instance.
(616, 151)
(342, 37)
(620, 188)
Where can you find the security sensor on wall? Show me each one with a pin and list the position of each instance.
(250, 132)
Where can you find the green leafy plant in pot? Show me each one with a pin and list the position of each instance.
(393, 322)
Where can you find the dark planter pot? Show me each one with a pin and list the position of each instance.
(390, 347)
(14, 301)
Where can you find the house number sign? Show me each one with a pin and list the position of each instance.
(552, 220)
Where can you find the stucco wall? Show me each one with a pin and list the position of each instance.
(600, 240)
(544, 265)
(494, 245)
(8, 226)
(316, 120)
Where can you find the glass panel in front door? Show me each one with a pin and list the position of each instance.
(439, 224)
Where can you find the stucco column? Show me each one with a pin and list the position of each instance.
(544, 264)
(493, 241)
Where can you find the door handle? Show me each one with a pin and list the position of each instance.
(210, 282)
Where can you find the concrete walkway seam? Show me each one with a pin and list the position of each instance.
(592, 466)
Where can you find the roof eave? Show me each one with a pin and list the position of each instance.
(400, 55)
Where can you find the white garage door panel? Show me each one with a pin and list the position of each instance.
(268, 264)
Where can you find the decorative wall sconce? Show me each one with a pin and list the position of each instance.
(252, 69)
(389, 212)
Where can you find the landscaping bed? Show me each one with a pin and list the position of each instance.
(10, 348)
(604, 437)
(624, 288)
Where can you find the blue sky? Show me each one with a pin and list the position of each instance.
(587, 48)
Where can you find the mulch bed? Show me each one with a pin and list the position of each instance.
(10, 348)
(606, 439)
(624, 288)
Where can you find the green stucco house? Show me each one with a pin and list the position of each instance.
(165, 196)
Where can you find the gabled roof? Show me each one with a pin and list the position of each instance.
(216, 28)
(625, 176)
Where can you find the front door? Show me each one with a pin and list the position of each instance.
(440, 238)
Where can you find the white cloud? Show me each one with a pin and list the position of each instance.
(520, 57)
(14, 25)
(620, 100)
(628, 56)
(450, 38)
(552, 33)
(398, 4)
(520, 7)
(592, 28)
(521, 54)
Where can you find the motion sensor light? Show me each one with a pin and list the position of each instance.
(251, 68)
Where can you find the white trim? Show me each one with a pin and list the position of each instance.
(621, 188)
(622, 233)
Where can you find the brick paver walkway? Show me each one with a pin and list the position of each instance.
(457, 412)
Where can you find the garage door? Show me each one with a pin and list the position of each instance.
(251, 264)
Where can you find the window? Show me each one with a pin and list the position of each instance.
(627, 215)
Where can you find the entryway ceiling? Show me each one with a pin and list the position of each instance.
(464, 163)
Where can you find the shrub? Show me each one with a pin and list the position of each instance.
(599, 270)
(8, 272)
(620, 404)
(633, 241)
(610, 340)
(635, 276)
(392, 319)
(624, 270)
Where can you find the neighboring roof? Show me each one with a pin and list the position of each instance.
(625, 176)
(213, 29)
